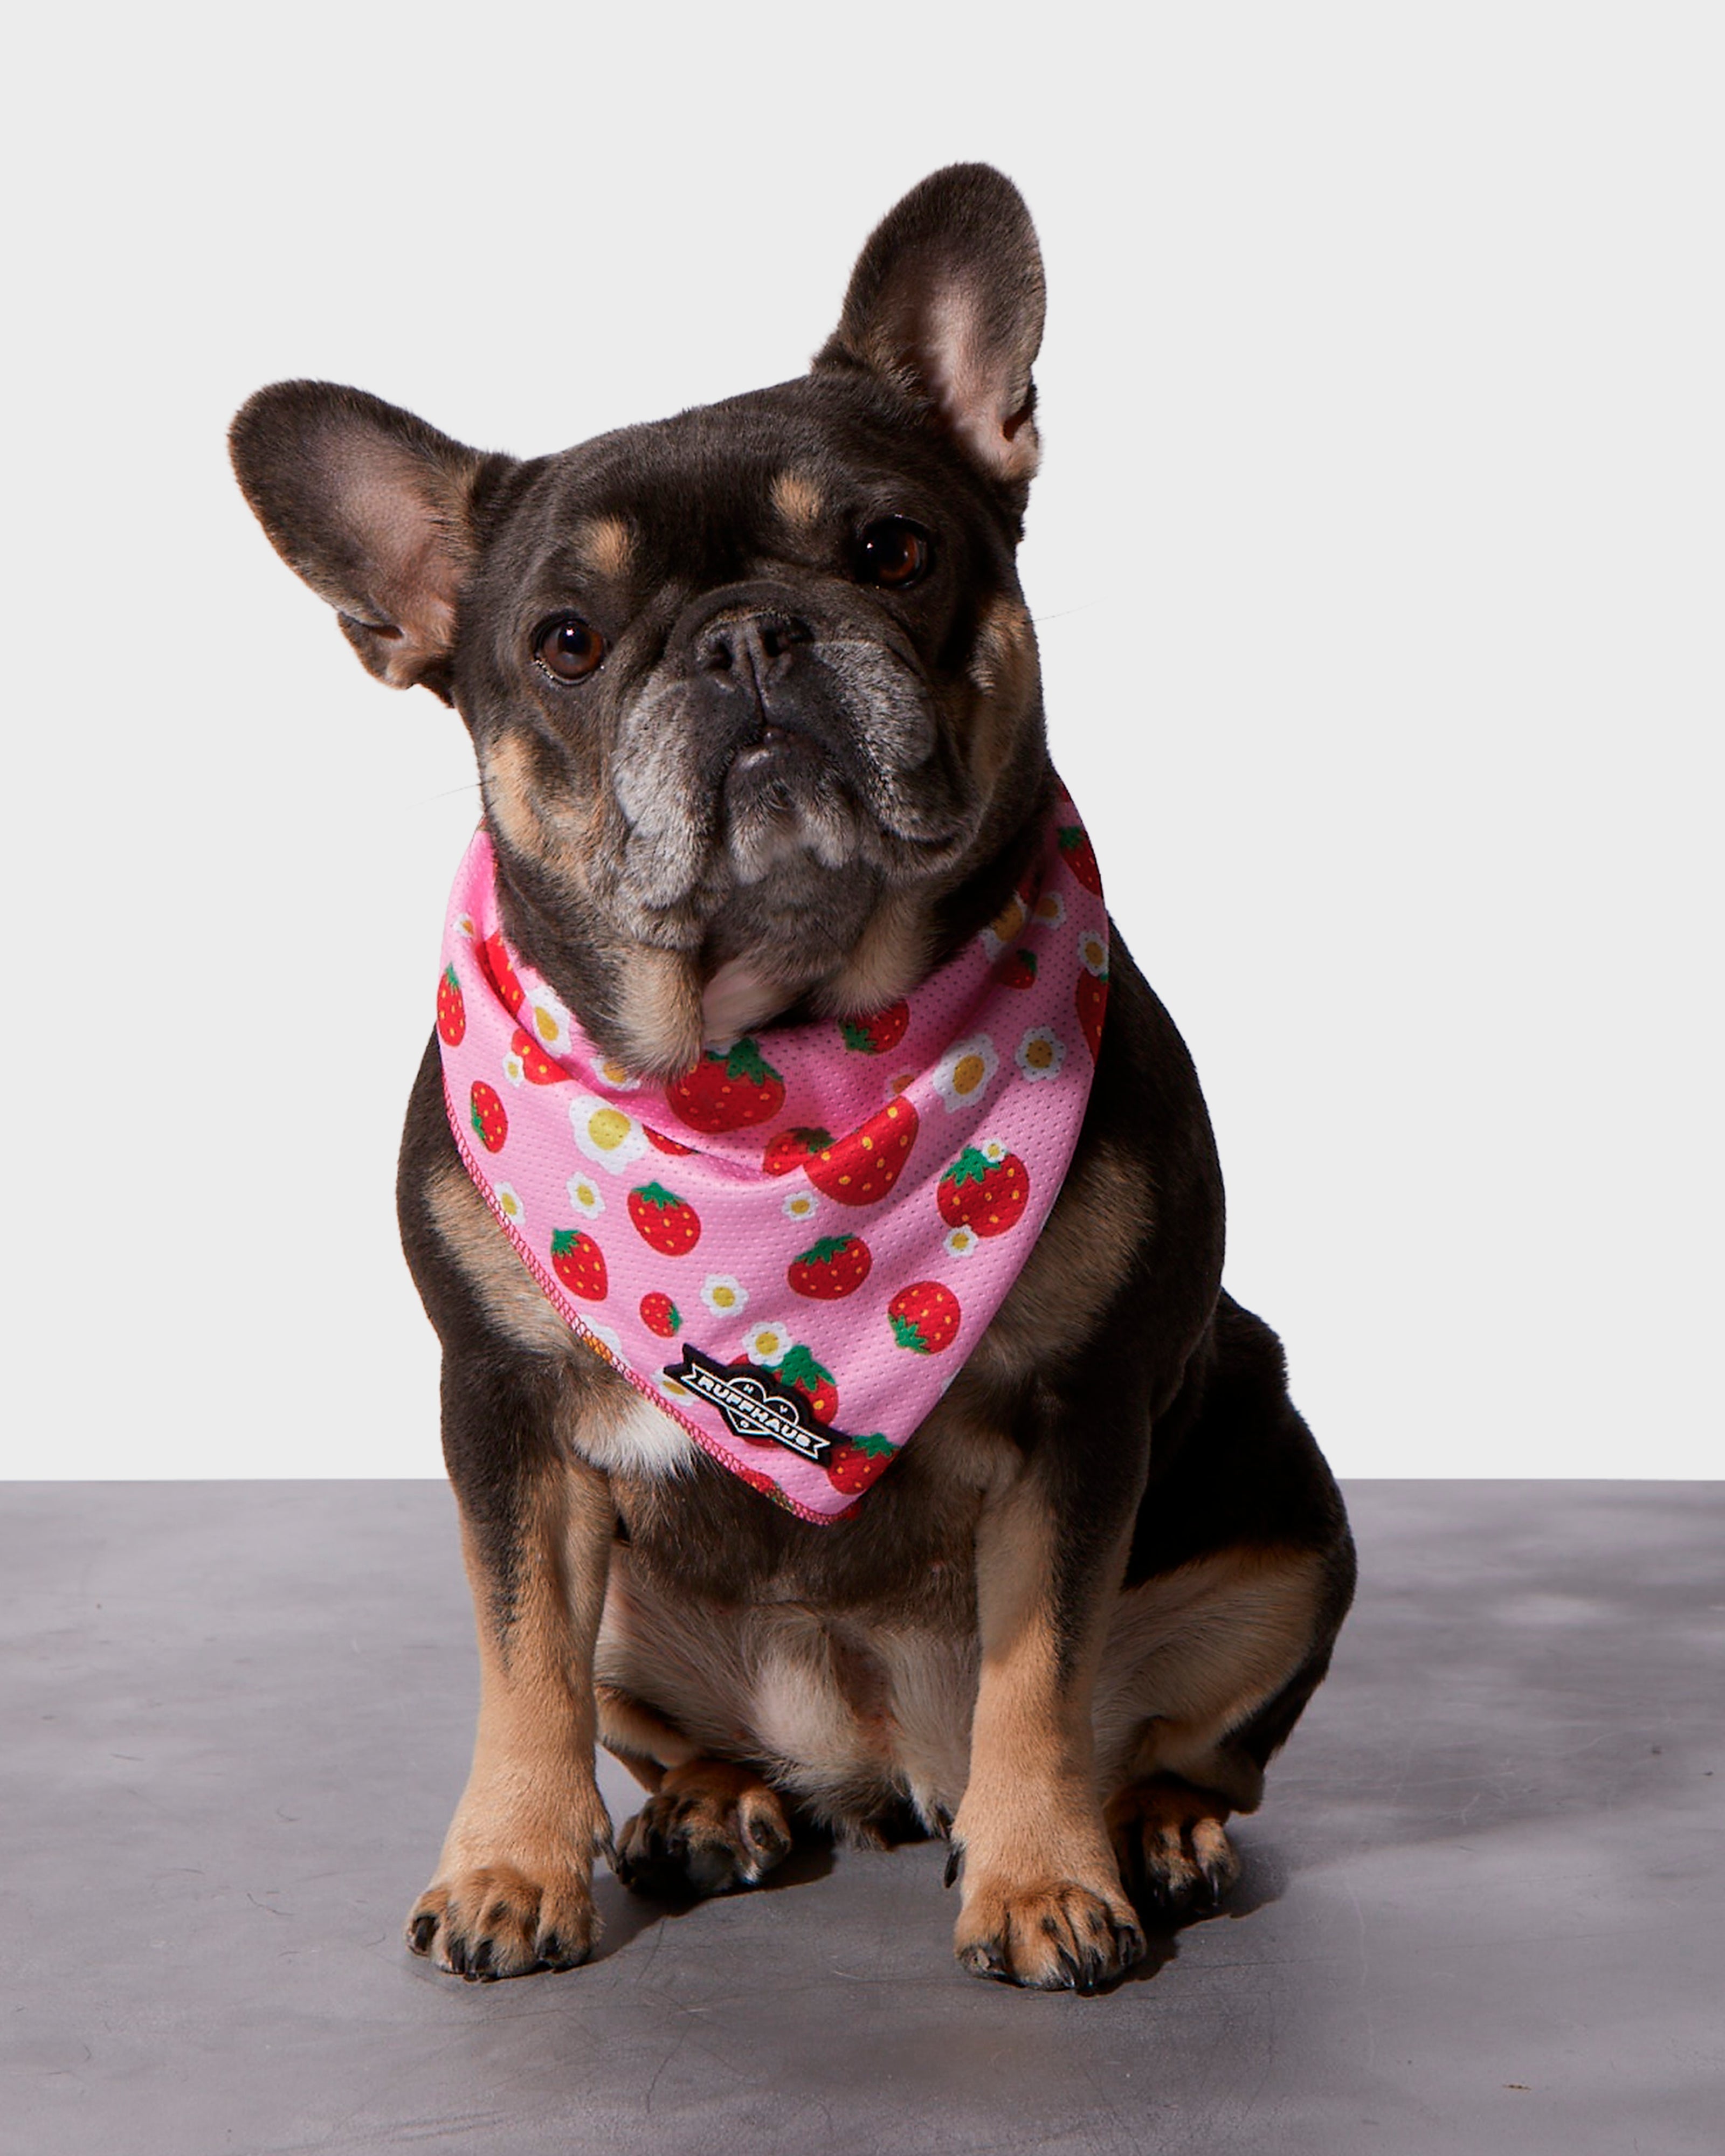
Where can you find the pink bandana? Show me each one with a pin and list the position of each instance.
(791, 1249)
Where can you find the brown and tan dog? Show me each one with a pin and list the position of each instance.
(1072, 1625)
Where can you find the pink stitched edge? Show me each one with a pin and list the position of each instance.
(552, 1288)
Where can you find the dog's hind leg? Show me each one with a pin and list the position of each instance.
(710, 1823)
(1205, 1671)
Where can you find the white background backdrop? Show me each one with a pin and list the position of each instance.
(1376, 562)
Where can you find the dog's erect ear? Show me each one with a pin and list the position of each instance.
(373, 509)
(947, 302)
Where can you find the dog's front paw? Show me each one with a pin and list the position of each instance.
(497, 1920)
(1172, 1846)
(710, 1826)
(1056, 1935)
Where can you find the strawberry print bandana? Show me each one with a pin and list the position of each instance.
(791, 1249)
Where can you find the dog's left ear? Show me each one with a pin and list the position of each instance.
(947, 303)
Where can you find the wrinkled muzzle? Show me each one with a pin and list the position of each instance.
(773, 730)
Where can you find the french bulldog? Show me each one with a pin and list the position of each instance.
(755, 700)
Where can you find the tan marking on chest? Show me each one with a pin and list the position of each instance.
(890, 958)
(625, 1434)
(660, 1022)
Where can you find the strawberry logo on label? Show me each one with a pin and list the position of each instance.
(797, 1369)
(537, 1066)
(485, 1111)
(863, 1166)
(836, 1266)
(987, 1189)
(660, 1314)
(730, 1089)
(1077, 853)
(451, 1010)
(579, 1264)
(494, 963)
(852, 1467)
(924, 1318)
(879, 1031)
(665, 1222)
(790, 1148)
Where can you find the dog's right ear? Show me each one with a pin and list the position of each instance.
(374, 510)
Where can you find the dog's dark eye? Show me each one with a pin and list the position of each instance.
(567, 648)
(893, 553)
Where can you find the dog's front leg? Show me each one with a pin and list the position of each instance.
(513, 1890)
(1043, 1904)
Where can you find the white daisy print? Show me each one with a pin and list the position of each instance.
(965, 1073)
(606, 1134)
(607, 1338)
(723, 1296)
(1041, 1054)
(545, 1019)
(514, 1068)
(584, 1196)
(801, 1205)
(962, 1243)
(616, 1075)
(508, 1204)
(1004, 930)
(768, 1343)
(1050, 911)
(1093, 953)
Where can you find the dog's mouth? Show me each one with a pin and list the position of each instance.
(788, 791)
(763, 746)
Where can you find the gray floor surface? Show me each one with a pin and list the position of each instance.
(1482, 1908)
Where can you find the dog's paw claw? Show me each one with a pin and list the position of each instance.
(1060, 1937)
(497, 1922)
(1172, 1848)
(711, 1827)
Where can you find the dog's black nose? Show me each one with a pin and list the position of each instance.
(755, 647)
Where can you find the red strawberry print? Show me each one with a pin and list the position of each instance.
(757, 1481)
(852, 1467)
(1018, 970)
(864, 1164)
(874, 1034)
(1077, 853)
(924, 1318)
(790, 1148)
(729, 1090)
(799, 1368)
(665, 1222)
(451, 1010)
(1092, 1000)
(494, 961)
(579, 1264)
(537, 1066)
(663, 1143)
(660, 1314)
(835, 1266)
(986, 1194)
(485, 1111)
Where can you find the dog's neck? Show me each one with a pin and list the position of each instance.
(657, 1008)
